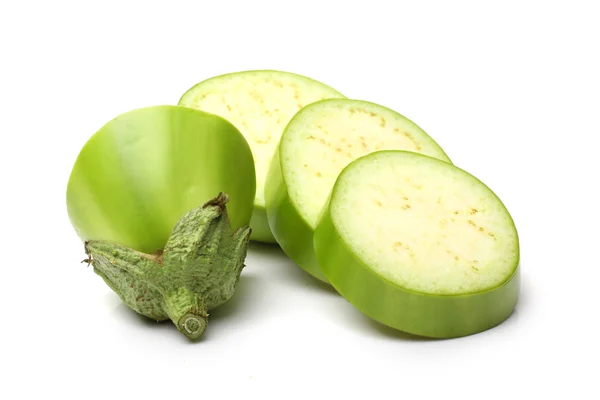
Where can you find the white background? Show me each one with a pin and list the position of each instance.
(511, 91)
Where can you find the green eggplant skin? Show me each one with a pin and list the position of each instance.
(433, 316)
(292, 232)
(142, 171)
(260, 226)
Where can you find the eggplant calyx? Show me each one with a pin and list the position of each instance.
(197, 271)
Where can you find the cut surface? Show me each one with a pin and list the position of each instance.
(259, 104)
(424, 225)
(326, 136)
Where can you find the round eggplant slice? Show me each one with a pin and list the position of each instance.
(317, 144)
(419, 245)
(260, 104)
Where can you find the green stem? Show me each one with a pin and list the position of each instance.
(187, 311)
(197, 270)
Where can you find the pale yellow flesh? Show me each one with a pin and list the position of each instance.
(259, 104)
(424, 225)
(326, 136)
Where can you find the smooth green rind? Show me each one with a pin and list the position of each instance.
(142, 171)
(424, 314)
(260, 226)
(198, 270)
(292, 231)
(259, 103)
(420, 314)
